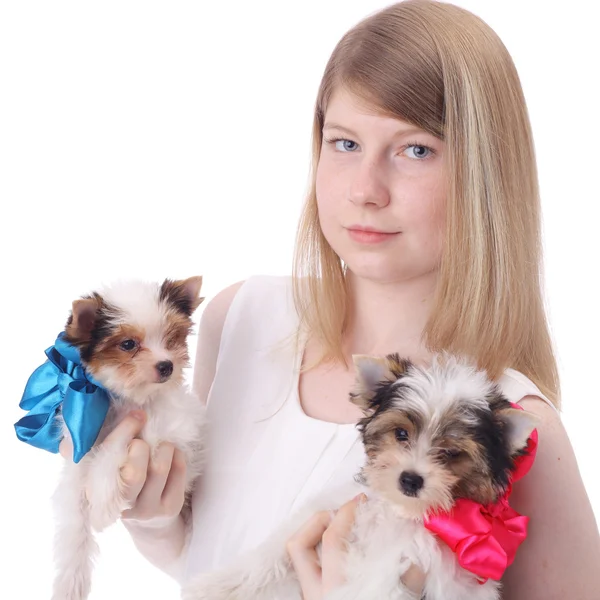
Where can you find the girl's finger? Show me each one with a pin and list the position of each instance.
(127, 429)
(335, 538)
(135, 471)
(302, 550)
(174, 491)
(159, 467)
(339, 530)
(414, 580)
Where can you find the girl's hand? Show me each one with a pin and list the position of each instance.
(332, 531)
(414, 580)
(154, 487)
(317, 578)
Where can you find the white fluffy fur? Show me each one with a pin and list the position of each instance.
(448, 380)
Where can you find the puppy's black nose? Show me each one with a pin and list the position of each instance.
(164, 368)
(410, 483)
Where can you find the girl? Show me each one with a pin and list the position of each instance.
(421, 232)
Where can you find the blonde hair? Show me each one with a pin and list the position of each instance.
(443, 69)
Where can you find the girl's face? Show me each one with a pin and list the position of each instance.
(381, 192)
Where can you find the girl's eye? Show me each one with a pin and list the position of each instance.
(419, 151)
(343, 145)
(401, 434)
(346, 145)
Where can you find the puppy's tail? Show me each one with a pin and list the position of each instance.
(75, 548)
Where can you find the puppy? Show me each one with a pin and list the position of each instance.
(435, 439)
(132, 341)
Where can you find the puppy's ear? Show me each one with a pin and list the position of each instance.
(373, 372)
(183, 294)
(519, 425)
(82, 320)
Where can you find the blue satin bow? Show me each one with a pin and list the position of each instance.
(62, 383)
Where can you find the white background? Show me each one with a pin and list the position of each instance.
(168, 139)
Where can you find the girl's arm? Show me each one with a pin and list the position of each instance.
(561, 556)
(162, 541)
(209, 339)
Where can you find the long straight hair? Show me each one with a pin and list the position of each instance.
(442, 68)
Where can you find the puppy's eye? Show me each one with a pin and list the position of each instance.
(450, 453)
(401, 434)
(128, 345)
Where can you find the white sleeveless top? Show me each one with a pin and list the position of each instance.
(266, 457)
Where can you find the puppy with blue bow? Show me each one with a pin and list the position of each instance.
(124, 348)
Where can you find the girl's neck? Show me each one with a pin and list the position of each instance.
(385, 318)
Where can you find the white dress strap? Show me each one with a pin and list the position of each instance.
(516, 386)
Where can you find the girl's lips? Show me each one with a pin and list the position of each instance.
(368, 235)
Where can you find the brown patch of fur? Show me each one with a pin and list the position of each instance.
(109, 346)
(178, 328)
(177, 331)
(384, 443)
(108, 352)
(397, 366)
(438, 492)
(479, 489)
(474, 480)
(380, 432)
(82, 319)
(471, 470)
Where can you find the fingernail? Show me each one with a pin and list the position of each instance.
(140, 415)
(361, 498)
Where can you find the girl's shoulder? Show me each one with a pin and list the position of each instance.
(239, 315)
(256, 295)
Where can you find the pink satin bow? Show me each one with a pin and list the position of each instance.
(486, 538)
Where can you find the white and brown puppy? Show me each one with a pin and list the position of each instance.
(431, 436)
(132, 339)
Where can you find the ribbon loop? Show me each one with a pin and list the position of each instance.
(62, 385)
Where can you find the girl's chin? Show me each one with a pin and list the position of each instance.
(387, 277)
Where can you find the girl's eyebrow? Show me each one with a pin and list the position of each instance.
(410, 130)
(340, 128)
